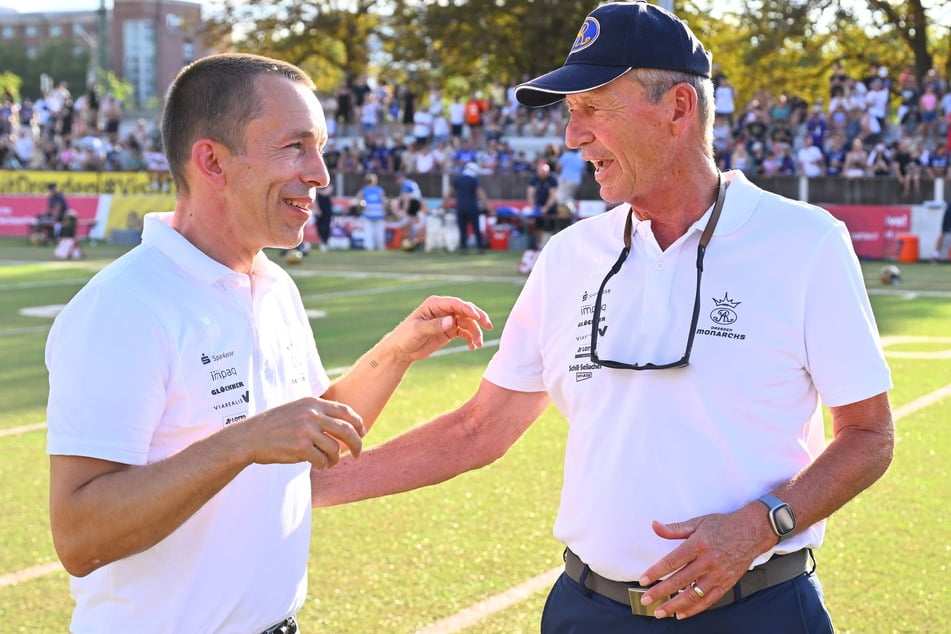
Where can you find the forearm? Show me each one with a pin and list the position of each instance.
(122, 510)
(371, 381)
(410, 461)
(474, 435)
(857, 456)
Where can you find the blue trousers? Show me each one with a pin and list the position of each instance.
(794, 607)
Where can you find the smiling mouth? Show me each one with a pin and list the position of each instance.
(302, 205)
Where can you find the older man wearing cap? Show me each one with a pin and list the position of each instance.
(687, 338)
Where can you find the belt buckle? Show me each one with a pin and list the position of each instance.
(634, 597)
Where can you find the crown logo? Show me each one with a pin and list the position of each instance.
(726, 301)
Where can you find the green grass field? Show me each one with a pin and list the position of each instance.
(404, 563)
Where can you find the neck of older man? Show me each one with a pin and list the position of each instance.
(674, 203)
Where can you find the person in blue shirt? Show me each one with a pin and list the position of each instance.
(372, 201)
(571, 169)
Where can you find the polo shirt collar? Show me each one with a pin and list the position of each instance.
(741, 199)
(158, 233)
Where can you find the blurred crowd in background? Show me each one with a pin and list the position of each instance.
(880, 124)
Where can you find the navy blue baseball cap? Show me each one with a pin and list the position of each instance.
(615, 38)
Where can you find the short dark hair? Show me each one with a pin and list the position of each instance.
(216, 98)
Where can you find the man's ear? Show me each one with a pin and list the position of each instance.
(208, 159)
(684, 105)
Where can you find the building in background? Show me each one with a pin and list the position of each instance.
(144, 42)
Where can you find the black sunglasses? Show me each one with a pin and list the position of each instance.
(701, 250)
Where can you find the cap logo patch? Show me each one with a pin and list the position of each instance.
(586, 35)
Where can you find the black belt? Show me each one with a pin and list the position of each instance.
(287, 626)
(778, 569)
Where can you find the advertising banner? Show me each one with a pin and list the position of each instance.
(875, 229)
(18, 213)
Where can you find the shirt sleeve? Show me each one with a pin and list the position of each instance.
(843, 349)
(109, 364)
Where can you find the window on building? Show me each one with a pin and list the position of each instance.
(138, 41)
(7, 32)
(30, 31)
(56, 30)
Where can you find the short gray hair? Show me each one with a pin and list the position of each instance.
(657, 82)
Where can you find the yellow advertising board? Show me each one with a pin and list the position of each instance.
(125, 212)
(33, 183)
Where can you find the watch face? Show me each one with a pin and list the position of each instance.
(783, 519)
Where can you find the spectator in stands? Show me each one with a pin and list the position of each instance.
(188, 405)
(872, 131)
(928, 109)
(771, 163)
(880, 161)
(423, 126)
(835, 156)
(817, 126)
(938, 162)
(457, 117)
(24, 146)
(877, 101)
(441, 130)
(856, 160)
(725, 99)
(370, 113)
(521, 164)
(906, 166)
(344, 97)
(372, 202)
(740, 158)
(909, 99)
(475, 109)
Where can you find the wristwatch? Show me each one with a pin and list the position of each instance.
(781, 517)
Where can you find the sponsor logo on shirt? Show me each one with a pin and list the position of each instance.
(224, 384)
(584, 370)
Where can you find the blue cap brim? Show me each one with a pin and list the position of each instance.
(570, 79)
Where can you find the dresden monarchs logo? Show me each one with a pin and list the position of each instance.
(724, 314)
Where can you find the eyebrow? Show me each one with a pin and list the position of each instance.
(321, 139)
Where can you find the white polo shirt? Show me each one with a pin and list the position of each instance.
(784, 320)
(163, 348)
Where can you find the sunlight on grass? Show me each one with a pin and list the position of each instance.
(395, 565)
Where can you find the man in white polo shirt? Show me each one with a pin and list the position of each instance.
(188, 405)
(689, 337)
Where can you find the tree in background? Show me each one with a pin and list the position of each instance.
(58, 59)
(773, 45)
(327, 38)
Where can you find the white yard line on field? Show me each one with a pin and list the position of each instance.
(495, 603)
(487, 607)
(34, 572)
(921, 403)
(13, 431)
